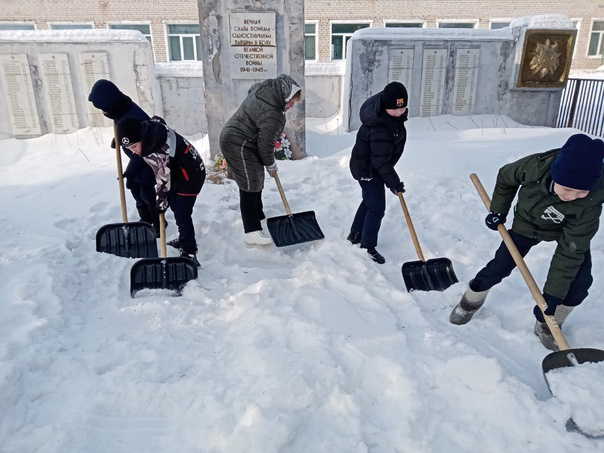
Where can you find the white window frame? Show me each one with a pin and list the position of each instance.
(601, 43)
(394, 21)
(181, 36)
(458, 21)
(52, 24)
(149, 36)
(345, 36)
(498, 21)
(316, 24)
(17, 23)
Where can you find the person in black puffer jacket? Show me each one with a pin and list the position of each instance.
(379, 145)
(140, 180)
(178, 168)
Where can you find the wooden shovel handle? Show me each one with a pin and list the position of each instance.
(283, 199)
(162, 235)
(418, 249)
(120, 173)
(526, 274)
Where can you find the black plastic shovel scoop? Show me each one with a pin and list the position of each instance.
(433, 275)
(295, 228)
(566, 357)
(130, 240)
(162, 273)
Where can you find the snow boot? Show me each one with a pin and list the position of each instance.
(469, 304)
(192, 257)
(354, 237)
(375, 256)
(174, 243)
(257, 238)
(542, 330)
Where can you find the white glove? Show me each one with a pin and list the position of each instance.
(272, 169)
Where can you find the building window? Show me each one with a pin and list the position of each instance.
(404, 24)
(596, 41)
(310, 40)
(457, 25)
(71, 26)
(340, 34)
(145, 29)
(8, 26)
(497, 24)
(184, 42)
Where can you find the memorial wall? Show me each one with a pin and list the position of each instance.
(518, 71)
(45, 78)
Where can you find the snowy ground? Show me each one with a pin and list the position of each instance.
(312, 348)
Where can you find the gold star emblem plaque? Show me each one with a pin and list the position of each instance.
(546, 58)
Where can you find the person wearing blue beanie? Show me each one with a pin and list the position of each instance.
(560, 199)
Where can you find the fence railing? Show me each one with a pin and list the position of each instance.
(582, 106)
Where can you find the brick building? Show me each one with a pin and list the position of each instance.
(172, 26)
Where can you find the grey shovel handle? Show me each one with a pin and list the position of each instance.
(526, 274)
(283, 199)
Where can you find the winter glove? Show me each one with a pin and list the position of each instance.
(400, 188)
(113, 143)
(272, 169)
(552, 304)
(162, 205)
(493, 219)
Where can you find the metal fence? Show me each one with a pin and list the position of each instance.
(582, 106)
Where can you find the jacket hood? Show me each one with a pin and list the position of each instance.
(107, 97)
(269, 91)
(154, 136)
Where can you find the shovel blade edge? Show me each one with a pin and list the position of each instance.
(162, 273)
(294, 229)
(436, 274)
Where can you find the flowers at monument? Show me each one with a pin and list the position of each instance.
(282, 151)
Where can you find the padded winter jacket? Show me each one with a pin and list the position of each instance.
(540, 214)
(106, 96)
(247, 140)
(177, 165)
(379, 144)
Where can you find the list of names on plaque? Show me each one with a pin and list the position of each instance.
(94, 66)
(434, 69)
(59, 92)
(466, 77)
(19, 91)
(400, 66)
(253, 45)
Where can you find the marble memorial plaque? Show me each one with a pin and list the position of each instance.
(466, 77)
(400, 67)
(253, 45)
(19, 92)
(59, 92)
(434, 69)
(94, 66)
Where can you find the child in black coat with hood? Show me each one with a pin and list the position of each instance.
(140, 180)
(178, 168)
(379, 145)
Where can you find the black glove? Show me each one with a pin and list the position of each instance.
(552, 304)
(495, 218)
(400, 188)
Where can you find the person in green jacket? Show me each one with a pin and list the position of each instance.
(560, 199)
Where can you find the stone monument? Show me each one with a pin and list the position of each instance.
(244, 42)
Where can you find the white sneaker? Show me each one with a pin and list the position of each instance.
(257, 238)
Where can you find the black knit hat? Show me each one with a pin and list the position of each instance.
(129, 131)
(394, 96)
(580, 162)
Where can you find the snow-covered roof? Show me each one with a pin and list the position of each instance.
(396, 33)
(80, 36)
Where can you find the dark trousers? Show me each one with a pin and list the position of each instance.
(145, 196)
(252, 211)
(503, 264)
(368, 219)
(182, 200)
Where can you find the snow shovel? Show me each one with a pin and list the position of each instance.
(162, 273)
(565, 357)
(433, 275)
(130, 240)
(295, 228)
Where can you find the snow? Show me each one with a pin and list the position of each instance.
(545, 21)
(73, 36)
(312, 348)
(390, 33)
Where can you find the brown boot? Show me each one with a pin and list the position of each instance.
(469, 304)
